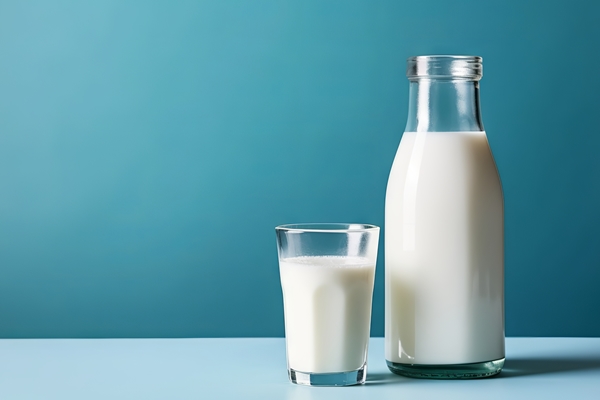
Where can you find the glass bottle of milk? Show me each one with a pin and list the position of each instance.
(444, 250)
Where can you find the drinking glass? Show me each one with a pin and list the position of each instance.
(327, 273)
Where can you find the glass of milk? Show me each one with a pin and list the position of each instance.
(327, 273)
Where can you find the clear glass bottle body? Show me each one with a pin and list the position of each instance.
(444, 246)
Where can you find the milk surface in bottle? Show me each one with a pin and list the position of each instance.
(444, 256)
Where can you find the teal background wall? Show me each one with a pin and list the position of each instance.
(148, 149)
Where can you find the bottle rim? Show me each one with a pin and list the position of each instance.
(444, 67)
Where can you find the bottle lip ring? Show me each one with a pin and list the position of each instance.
(444, 67)
(447, 56)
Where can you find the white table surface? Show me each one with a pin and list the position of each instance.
(248, 368)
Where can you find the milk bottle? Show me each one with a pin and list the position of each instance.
(444, 256)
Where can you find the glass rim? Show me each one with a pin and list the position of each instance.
(327, 227)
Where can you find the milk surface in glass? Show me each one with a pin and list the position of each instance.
(327, 302)
(444, 251)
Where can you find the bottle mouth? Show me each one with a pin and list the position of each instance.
(444, 67)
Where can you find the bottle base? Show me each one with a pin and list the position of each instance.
(348, 378)
(448, 371)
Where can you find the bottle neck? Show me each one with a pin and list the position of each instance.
(443, 105)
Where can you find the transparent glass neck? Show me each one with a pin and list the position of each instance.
(444, 94)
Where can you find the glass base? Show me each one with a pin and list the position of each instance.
(357, 377)
(448, 371)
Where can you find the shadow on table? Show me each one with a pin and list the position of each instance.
(383, 378)
(513, 367)
(538, 366)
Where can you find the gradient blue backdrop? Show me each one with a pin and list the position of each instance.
(148, 149)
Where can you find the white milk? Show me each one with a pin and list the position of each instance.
(327, 303)
(444, 251)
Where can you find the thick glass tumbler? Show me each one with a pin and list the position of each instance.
(327, 273)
